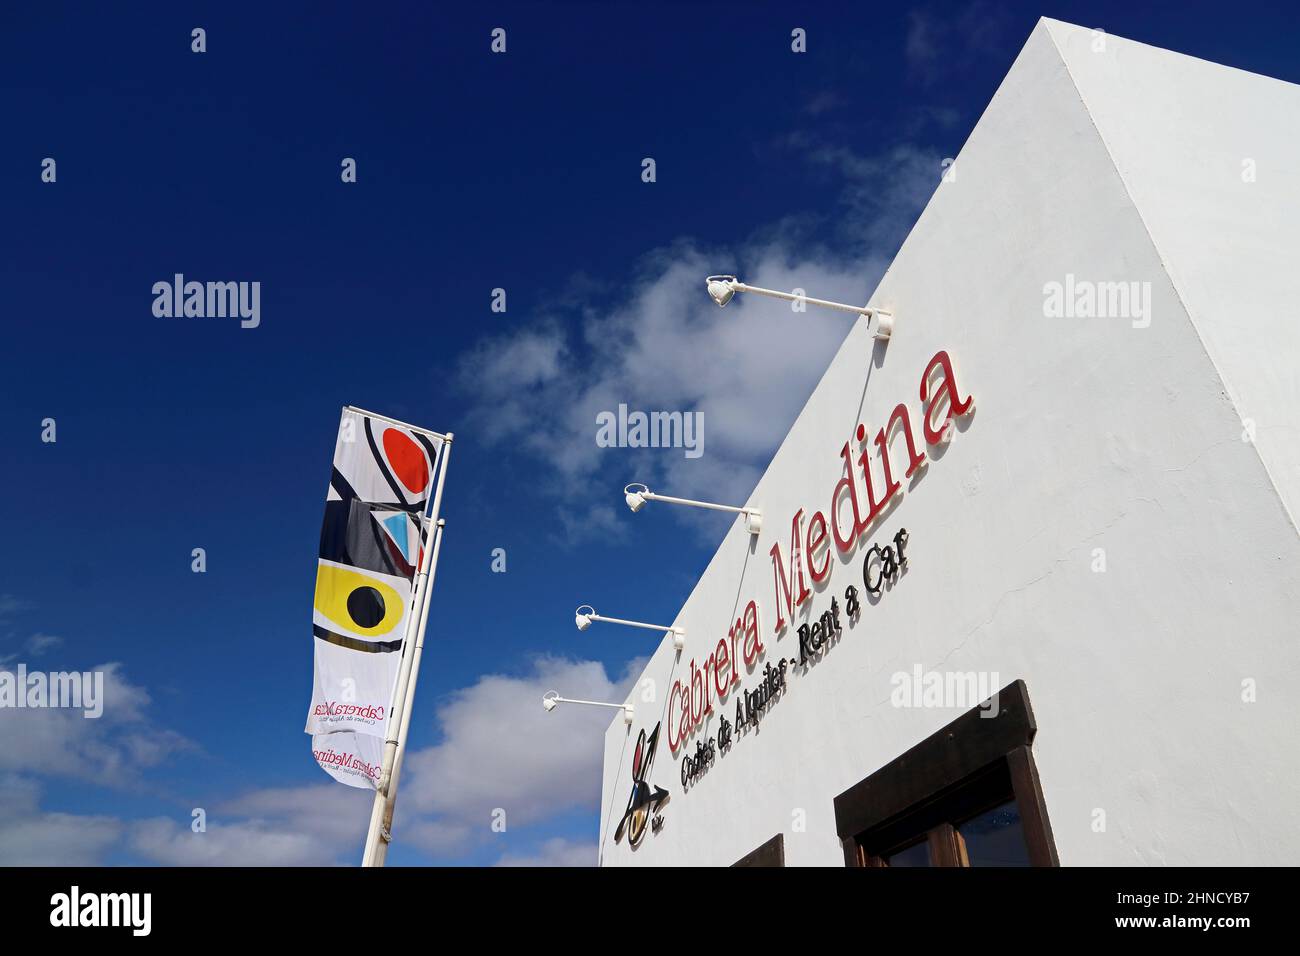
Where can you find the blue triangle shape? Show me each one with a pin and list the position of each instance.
(397, 527)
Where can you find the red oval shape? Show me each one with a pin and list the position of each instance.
(407, 459)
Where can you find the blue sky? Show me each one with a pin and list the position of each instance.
(475, 171)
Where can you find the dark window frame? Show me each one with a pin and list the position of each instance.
(957, 772)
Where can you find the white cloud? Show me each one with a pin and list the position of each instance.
(173, 843)
(825, 101)
(113, 749)
(435, 837)
(316, 825)
(308, 826)
(34, 647)
(500, 750)
(327, 810)
(511, 370)
(38, 644)
(942, 40)
(31, 837)
(555, 852)
(10, 604)
(921, 46)
(659, 343)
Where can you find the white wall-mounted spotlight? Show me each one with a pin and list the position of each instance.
(637, 494)
(552, 697)
(723, 288)
(586, 614)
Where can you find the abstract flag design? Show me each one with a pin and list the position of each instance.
(370, 546)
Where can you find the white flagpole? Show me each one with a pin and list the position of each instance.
(418, 603)
(377, 834)
(386, 828)
(399, 689)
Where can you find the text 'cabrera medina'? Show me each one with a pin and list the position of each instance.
(690, 702)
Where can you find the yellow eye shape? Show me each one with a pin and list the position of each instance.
(358, 602)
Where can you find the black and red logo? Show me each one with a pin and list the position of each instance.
(645, 800)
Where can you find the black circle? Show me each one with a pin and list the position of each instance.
(366, 606)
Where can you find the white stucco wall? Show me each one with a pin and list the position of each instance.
(1088, 433)
(1209, 155)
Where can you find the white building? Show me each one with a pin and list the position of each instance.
(1111, 276)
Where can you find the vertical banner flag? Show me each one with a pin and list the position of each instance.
(370, 545)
